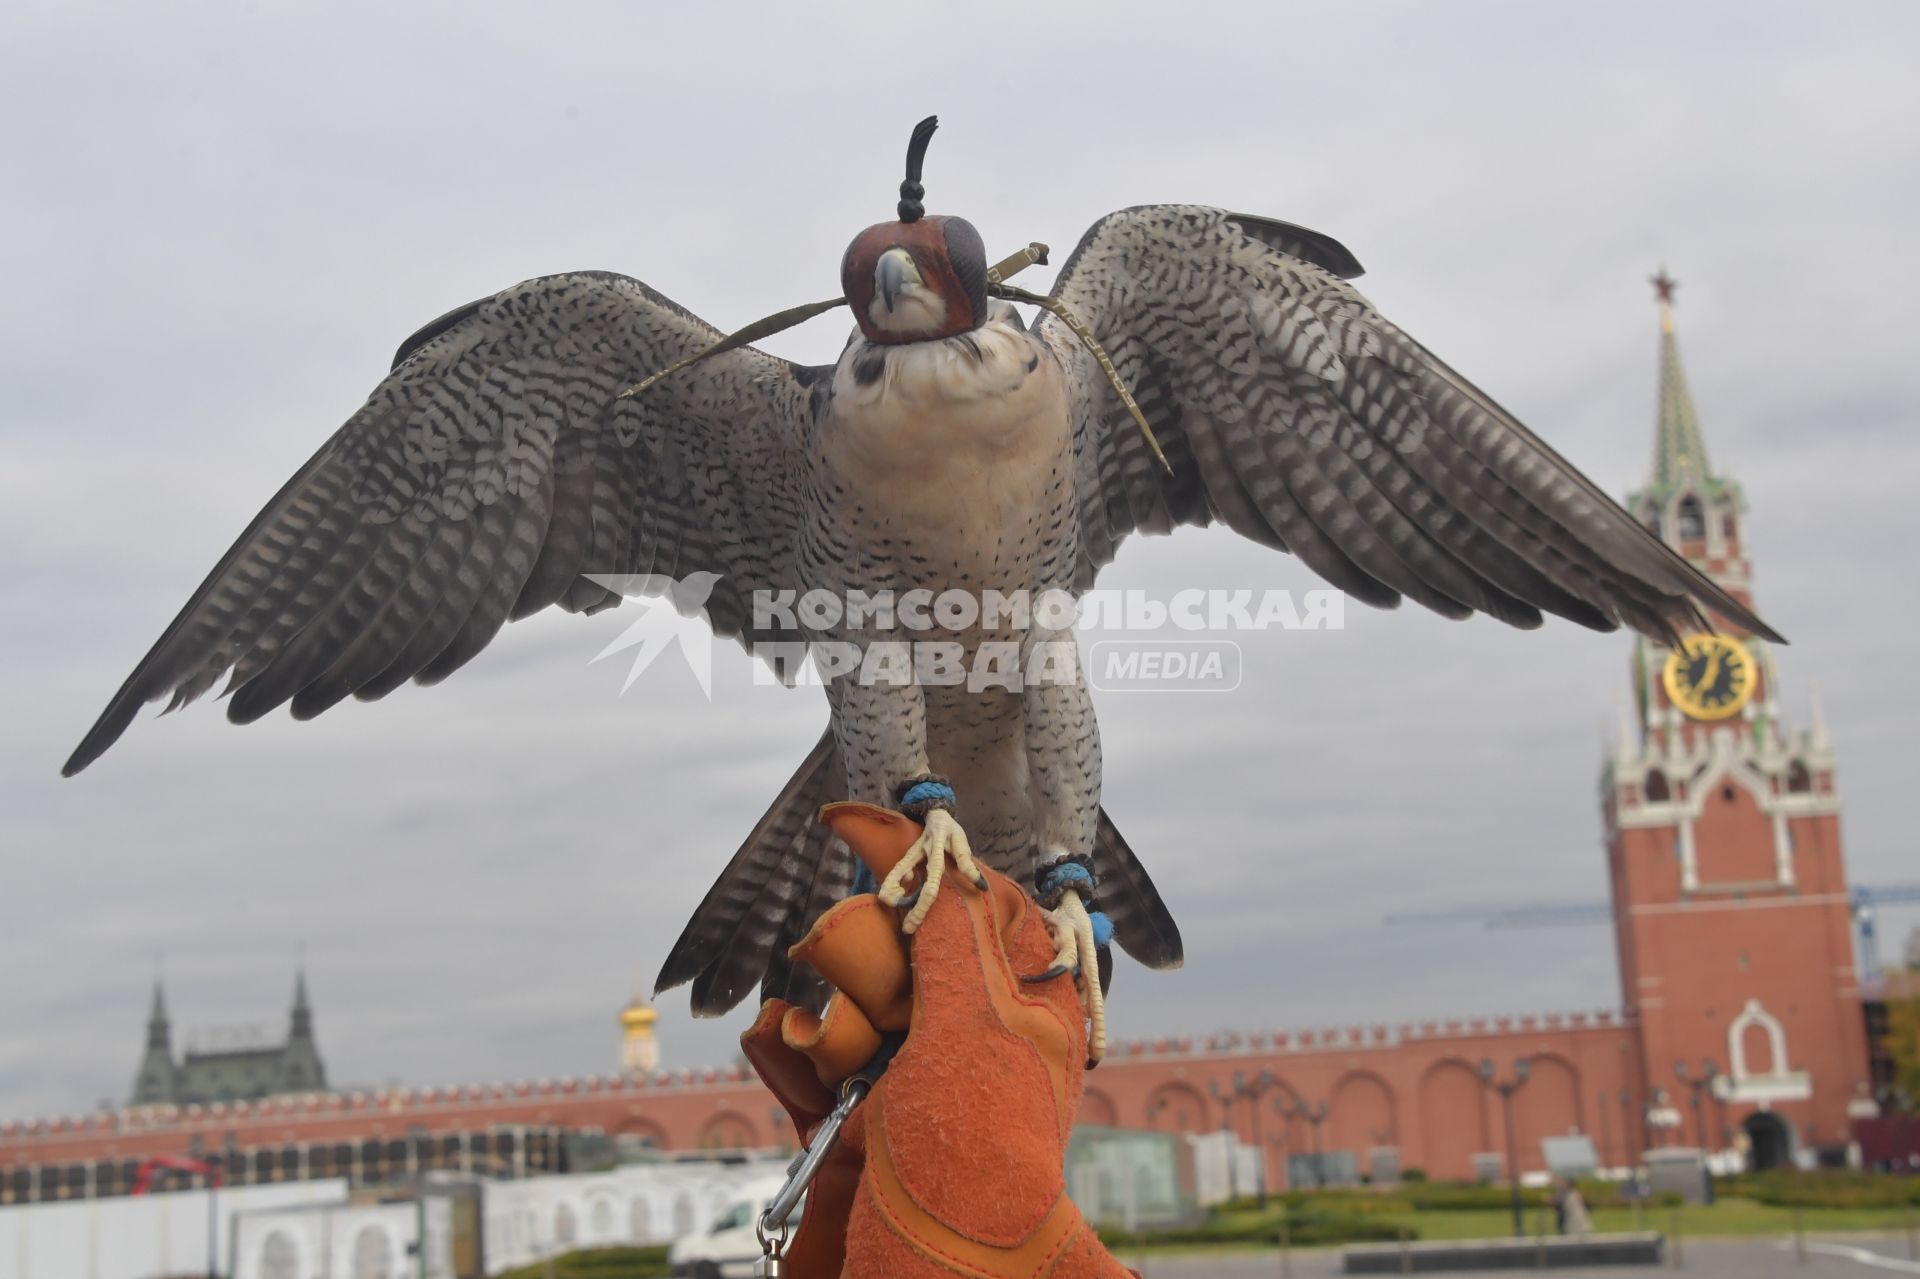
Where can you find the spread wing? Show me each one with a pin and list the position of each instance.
(490, 472)
(1295, 414)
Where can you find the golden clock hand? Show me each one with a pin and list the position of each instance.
(1711, 675)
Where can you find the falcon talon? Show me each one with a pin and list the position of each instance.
(1058, 970)
(1074, 933)
(940, 839)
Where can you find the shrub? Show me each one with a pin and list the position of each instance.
(1335, 1199)
(1303, 1228)
(600, 1263)
(1455, 1196)
(1315, 1228)
(1832, 1188)
(1614, 1194)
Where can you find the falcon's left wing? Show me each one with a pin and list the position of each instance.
(1294, 413)
(497, 470)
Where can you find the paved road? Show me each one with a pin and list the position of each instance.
(1853, 1257)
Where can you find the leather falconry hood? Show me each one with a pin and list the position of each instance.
(950, 254)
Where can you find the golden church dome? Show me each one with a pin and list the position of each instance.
(638, 1014)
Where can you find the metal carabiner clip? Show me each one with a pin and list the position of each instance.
(806, 1165)
(772, 1263)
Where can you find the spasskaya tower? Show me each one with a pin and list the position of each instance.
(1729, 887)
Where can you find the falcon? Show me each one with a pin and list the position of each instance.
(1191, 366)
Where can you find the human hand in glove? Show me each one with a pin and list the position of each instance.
(953, 1163)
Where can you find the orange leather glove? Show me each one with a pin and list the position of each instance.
(953, 1163)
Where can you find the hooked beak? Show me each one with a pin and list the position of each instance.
(892, 274)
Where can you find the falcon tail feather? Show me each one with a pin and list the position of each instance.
(786, 873)
(791, 869)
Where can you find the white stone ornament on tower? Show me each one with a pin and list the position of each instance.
(1627, 748)
(1817, 738)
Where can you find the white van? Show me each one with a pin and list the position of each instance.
(730, 1247)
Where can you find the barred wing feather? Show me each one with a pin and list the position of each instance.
(490, 473)
(1295, 414)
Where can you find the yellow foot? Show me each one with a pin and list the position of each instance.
(941, 839)
(1075, 952)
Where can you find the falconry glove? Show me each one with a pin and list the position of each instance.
(952, 1165)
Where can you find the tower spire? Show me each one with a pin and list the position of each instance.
(302, 1010)
(301, 1069)
(157, 1027)
(157, 1077)
(1679, 449)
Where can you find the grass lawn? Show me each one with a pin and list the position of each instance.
(1729, 1218)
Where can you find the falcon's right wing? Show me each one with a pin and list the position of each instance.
(492, 470)
(1297, 415)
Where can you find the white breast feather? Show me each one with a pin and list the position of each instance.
(980, 435)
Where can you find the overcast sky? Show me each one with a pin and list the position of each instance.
(218, 221)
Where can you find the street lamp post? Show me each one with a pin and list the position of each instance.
(212, 1172)
(778, 1117)
(1226, 1100)
(1251, 1091)
(1506, 1089)
(1698, 1084)
(213, 1227)
(1660, 1115)
(1315, 1113)
(1226, 1105)
(1627, 1124)
(197, 1151)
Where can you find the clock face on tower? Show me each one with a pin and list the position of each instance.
(1710, 676)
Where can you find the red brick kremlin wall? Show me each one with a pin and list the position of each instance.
(1415, 1087)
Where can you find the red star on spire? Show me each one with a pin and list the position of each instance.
(1663, 286)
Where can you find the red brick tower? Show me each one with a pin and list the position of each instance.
(1723, 842)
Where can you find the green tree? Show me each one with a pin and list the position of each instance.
(1903, 1043)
